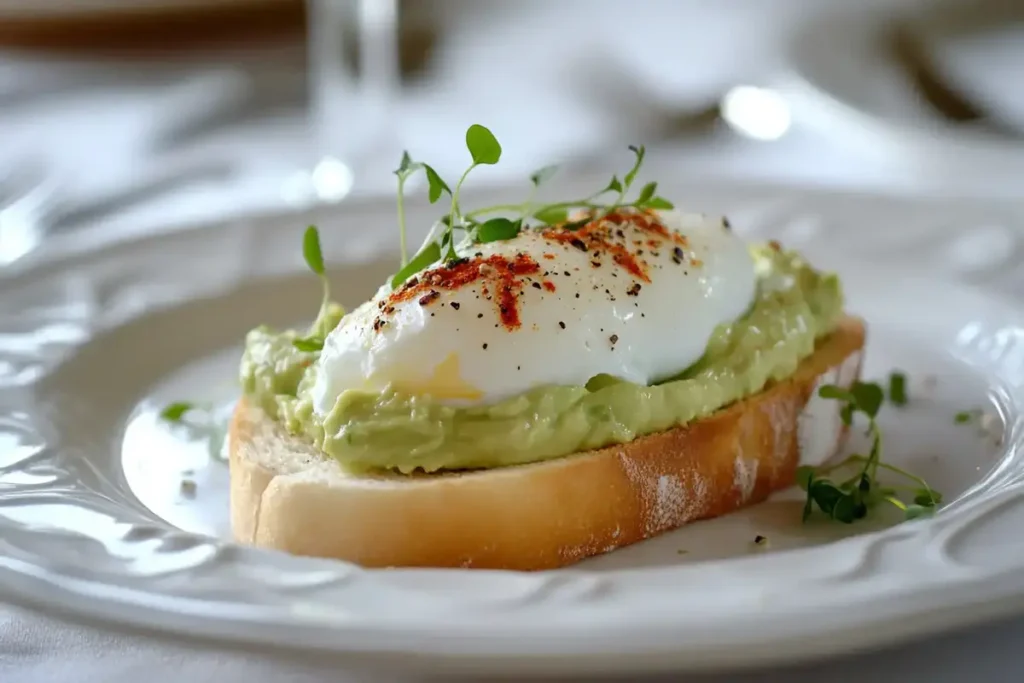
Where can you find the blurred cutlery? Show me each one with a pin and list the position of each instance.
(35, 205)
(606, 84)
(933, 88)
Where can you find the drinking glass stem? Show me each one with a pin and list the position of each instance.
(351, 108)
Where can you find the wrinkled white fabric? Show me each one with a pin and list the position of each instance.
(43, 649)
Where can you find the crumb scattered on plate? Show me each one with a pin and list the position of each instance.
(188, 488)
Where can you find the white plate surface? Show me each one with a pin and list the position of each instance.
(97, 334)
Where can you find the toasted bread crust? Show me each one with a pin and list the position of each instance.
(286, 495)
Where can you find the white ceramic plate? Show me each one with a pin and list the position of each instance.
(96, 334)
(843, 82)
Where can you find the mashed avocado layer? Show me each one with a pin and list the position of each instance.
(795, 306)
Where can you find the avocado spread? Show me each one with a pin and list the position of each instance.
(794, 306)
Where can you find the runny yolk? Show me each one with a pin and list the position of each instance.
(445, 383)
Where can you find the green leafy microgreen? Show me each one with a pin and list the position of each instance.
(646, 193)
(552, 215)
(850, 499)
(557, 213)
(614, 185)
(965, 416)
(482, 145)
(659, 203)
(311, 250)
(498, 229)
(631, 176)
(175, 412)
(832, 391)
(484, 149)
(429, 254)
(314, 259)
(483, 225)
(898, 388)
(868, 397)
(435, 185)
(915, 511)
(804, 476)
(927, 497)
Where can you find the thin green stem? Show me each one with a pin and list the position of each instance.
(876, 451)
(401, 220)
(843, 463)
(894, 469)
(455, 209)
(897, 502)
(583, 204)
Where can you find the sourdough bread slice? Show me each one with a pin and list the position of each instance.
(286, 495)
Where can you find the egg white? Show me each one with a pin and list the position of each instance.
(599, 319)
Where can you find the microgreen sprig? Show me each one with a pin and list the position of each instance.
(405, 169)
(558, 213)
(850, 499)
(898, 388)
(315, 260)
(485, 150)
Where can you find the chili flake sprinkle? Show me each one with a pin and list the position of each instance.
(498, 274)
(602, 236)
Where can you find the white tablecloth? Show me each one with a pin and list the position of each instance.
(62, 134)
(40, 649)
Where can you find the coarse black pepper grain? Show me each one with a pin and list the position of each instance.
(456, 305)
(536, 285)
(634, 290)
(579, 244)
(561, 324)
(485, 346)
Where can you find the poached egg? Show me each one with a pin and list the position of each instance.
(636, 295)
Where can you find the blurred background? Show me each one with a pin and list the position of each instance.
(135, 114)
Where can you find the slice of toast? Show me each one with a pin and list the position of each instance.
(287, 495)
